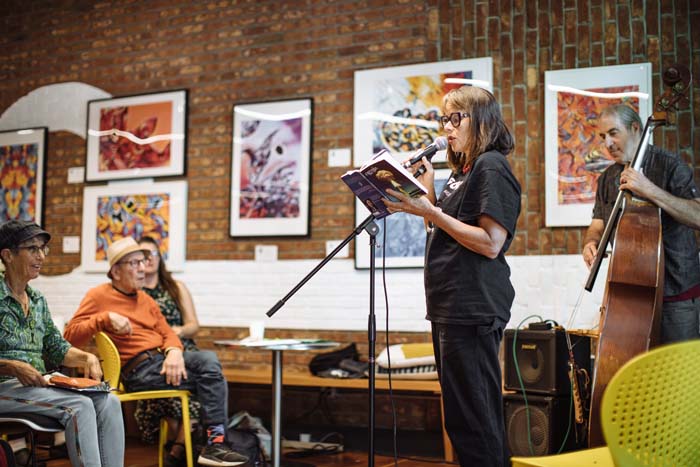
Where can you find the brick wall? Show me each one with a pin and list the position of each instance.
(243, 51)
(228, 52)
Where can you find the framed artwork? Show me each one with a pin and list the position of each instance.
(271, 168)
(575, 156)
(397, 108)
(405, 240)
(134, 209)
(22, 158)
(137, 136)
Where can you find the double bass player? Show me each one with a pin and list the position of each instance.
(667, 182)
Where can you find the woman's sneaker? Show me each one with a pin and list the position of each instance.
(219, 454)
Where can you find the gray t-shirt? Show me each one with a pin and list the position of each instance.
(667, 171)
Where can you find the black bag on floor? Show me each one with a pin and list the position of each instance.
(246, 442)
(331, 360)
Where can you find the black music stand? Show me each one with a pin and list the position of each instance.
(368, 225)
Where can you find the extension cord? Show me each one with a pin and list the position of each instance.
(292, 444)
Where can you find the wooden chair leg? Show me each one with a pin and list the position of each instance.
(447, 444)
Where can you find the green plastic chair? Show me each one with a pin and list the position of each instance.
(650, 414)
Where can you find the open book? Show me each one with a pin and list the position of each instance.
(370, 182)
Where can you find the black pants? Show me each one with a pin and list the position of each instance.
(204, 378)
(470, 378)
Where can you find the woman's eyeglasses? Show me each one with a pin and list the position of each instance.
(35, 249)
(455, 118)
(152, 254)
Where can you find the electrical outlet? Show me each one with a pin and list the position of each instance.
(76, 174)
(71, 244)
(265, 252)
(339, 157)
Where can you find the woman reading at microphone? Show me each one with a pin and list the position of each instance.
(467, 280)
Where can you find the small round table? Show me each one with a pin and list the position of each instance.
(277, 346)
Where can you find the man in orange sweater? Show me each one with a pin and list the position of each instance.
(152, 351)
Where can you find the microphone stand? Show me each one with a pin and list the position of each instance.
(371, 227)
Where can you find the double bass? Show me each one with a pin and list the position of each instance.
(631, 310)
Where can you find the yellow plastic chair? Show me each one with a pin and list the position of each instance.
(650, 414)
(651, 408)
(111, 367)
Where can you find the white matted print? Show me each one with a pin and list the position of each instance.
(136, 209)
(398, 108)
(271, 168)
(575, 155)
(405, 239)
(137, 136)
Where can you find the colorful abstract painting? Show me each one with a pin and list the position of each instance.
(582, 154)
(134, 209)
(404, 245)
(132, 216)
(142, 121)
(270, 168)
(398, 108)
(137, 136)
(21, 174)
(574, 153)
(417, 99)
(269, 176)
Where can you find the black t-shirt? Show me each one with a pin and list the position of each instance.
(464, 287)
(667, 171)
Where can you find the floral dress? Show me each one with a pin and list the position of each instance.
(149, 412)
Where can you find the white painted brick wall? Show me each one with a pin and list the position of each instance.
(234, 293)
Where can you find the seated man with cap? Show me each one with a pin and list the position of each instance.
(152, 351)
(29, 340)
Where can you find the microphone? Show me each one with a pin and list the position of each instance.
(429, 151)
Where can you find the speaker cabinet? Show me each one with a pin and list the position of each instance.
(549, 420)
(543, 359)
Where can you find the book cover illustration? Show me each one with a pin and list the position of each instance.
(371, 182)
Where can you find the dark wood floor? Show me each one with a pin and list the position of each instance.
(140, 455)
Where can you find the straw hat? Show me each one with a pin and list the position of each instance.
(121, 248)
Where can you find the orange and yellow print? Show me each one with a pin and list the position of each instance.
(132, 216)
(582, 156)
(411, 98)
(18, 181)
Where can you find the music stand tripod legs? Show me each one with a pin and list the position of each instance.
(371, 228)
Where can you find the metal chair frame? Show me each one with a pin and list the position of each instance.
(29, 424)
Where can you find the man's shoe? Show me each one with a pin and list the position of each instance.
(218, 454)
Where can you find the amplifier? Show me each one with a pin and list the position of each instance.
(543, 358)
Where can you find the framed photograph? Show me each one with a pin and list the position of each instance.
(575, 155)
(405, 240)
(137, 136)
(134, 209)
(397, 108)
(22, 158)
(271, 169)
